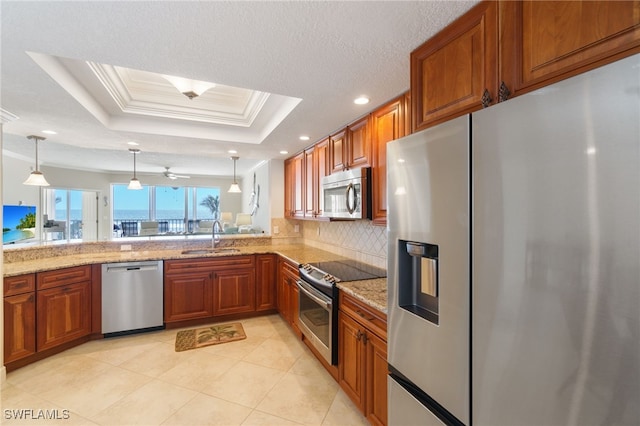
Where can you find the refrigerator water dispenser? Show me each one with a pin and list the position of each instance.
(418, 279)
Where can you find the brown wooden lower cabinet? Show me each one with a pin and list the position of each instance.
(204, 288)
(351, 359)
(288, 294)
(266, 275)
(63, 314)
(234, 291)
(19, 326)
(45, 311)
(362, 358)
(376, 379)
(188, 295)
(19, 317)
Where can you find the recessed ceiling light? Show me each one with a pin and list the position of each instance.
(362, 100)
(284, 152)
(232, 151)
(132, 143)
(49, 132)
(304, 138)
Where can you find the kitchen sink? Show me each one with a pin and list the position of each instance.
(211, 250)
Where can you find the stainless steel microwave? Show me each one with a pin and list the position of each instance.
(347, 195)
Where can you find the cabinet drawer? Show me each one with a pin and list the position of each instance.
(19, 284)
(369, 317)
(65, 276)
(181, 266)
(290, 269)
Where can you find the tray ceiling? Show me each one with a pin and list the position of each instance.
(92, 71)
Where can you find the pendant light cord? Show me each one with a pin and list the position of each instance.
(234, 168)
(36, 154)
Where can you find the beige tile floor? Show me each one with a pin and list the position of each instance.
(270, 378)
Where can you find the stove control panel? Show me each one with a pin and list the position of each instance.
(318, 274)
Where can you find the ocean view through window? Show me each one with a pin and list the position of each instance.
(163, 210)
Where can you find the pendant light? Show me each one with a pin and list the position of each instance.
(234, 188)
(134, 183)
(36, 177)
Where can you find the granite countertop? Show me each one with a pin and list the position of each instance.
(296, 253)
(372, 292)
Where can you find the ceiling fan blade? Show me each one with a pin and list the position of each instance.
(169, 174)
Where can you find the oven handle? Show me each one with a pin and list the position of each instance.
(310, 292)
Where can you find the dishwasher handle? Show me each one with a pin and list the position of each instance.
(136, 268)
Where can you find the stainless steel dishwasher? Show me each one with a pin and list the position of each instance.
(132, 297)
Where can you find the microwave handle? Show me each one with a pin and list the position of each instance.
(349, 208)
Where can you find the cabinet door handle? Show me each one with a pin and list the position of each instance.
(363, 315)
(364, 338)
(486, 98)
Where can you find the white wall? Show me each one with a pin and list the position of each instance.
(270, 178)
(14, 172)
(276, 178)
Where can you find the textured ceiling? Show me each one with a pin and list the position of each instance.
(325, 53)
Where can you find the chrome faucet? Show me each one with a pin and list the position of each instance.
(215, 236)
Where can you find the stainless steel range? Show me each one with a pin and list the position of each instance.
(318, 300)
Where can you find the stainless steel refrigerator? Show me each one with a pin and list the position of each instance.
(514, 260)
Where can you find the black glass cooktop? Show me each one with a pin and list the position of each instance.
(350, 270)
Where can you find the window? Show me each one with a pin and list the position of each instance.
(170, 208)
(207, 203)
(70, 215)
(175, 209)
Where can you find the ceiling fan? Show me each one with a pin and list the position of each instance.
(169, 174)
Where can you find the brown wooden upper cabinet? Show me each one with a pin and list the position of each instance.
(455, 71)
(501, 49)
(546, 41)
(303, 175)
(316, 167)
(294, 186)
(387, 123)
(351, 146)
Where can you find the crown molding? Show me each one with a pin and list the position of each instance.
(7, 117)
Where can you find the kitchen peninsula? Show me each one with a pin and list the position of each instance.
(28, 261)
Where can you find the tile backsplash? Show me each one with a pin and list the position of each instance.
(356, 239)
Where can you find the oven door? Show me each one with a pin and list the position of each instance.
(315, 318)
